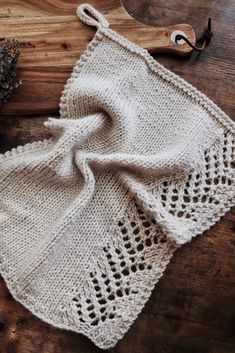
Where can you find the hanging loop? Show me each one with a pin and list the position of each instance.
(206, 38)
(90, 16)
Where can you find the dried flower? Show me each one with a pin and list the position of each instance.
(9, 54)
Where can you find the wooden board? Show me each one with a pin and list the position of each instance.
(53, 38)
(192, 309)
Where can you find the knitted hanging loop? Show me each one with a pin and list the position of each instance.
(90, 16)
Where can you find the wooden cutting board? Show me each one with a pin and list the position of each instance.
(53, 38)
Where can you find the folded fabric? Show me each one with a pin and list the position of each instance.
(138, 164)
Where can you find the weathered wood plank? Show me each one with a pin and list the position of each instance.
(53, 42)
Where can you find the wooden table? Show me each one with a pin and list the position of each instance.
(192, 309)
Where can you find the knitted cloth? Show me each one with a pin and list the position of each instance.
(138, 164)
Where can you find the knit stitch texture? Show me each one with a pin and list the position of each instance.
(138, 164)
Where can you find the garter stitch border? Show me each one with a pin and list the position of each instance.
(154, 65)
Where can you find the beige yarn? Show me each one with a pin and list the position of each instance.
(138, 164)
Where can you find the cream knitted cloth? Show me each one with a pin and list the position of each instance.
(139, 163)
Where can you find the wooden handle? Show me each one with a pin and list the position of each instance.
(159, 39)
(154, 39)
(52, 40)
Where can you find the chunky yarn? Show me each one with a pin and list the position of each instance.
(138, 164)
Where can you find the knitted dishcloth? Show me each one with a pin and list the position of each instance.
(138, 164)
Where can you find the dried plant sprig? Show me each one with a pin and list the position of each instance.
(9, 55)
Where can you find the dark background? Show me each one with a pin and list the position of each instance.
(192, 309)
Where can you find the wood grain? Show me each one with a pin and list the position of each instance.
(53, 38)
(192, 309)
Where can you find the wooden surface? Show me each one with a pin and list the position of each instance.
(192, 309)
(53, 38)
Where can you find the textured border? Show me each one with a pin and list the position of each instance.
(179, 83)
(174, 79)
(165, 74)
(77, 69)
(38, 310)
(22, 149)
(155, 66)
